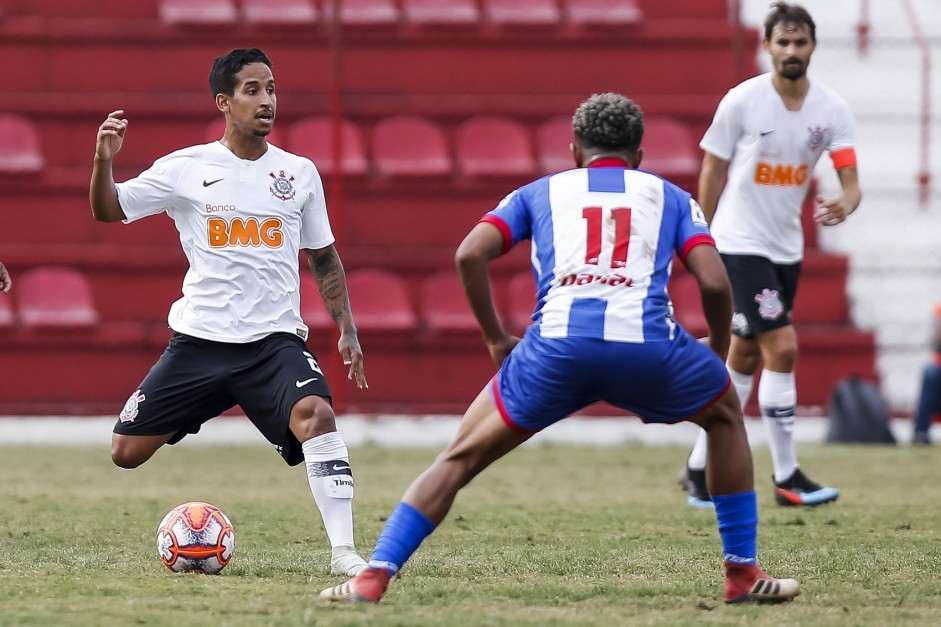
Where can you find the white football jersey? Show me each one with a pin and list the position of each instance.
(241, 226)
(772, 154)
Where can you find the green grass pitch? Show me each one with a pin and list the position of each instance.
(548, 536)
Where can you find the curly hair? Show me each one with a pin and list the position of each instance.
(789, 14)
(609, 121)
(225, 68)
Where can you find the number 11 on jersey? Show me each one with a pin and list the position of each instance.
(621, 216)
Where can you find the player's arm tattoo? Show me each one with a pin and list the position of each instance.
(328, 271)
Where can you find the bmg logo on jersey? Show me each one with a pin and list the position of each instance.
(224, 232)
(781, 175)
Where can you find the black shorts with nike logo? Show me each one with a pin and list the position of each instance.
(196, 380)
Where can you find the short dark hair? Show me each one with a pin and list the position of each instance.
(225, 68)
(609, 121)
(784, 13)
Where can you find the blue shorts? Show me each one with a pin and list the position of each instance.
(544, 380)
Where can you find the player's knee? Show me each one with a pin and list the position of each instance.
(123, 455)
(312, 416)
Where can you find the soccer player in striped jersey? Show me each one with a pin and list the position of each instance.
(766, 137)
(603, 239)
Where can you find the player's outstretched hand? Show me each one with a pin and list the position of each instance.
(111, 135)
(500, 349)
(831, 211)
(5, 282)
(353, 357)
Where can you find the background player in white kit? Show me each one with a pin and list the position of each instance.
(243, 208)
(603, 239)
(767, 135)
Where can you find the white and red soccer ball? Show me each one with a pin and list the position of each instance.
(195, 537)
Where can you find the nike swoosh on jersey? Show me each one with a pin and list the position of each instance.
(338, 468)
(763, 133)
(208, 183)
(301, 384)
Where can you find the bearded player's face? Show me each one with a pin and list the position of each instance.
(790, 47)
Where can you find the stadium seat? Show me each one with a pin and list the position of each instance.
(440, 11)
(380, 301)
(216, 128)
(312, 137)
(604, 12)
(521, 301)
(410, 146)
(493, 146)
(669, 147)
(281, 12)
(443, 303)
(363, 12)
(553, 145)
(6, 311)
(19, 146)
(687, 303)
(203, 12)
(522, 12)
(55, 297)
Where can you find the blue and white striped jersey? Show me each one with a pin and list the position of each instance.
(603, 239)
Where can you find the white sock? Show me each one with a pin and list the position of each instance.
(742, 384)
(697, 457)
(777, 396)
(331, 482)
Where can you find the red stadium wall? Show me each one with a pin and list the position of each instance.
(73, 66)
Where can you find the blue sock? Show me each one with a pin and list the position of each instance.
(738, 526)
(404, 531)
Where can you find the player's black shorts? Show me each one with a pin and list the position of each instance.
(195, 380)
(763, 293)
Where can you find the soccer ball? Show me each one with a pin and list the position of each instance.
(195, 537)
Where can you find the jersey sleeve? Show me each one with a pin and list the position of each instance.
(691, 226)
(726, 128)
(843, 139)
(513, 217)
(152, 191)
(315, 224)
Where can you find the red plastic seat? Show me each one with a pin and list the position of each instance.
(494, 146)
(521, 301)
(54, 297)
(553, 145)
(669, 148)
(410, 146)
(440, 11)
(19, 145)
(313, 138)
(282, 12)
(216, 128)
(6, 311)
(444, 305)
(380, 301)
(604, 12)
(687, 303)
(203, 12)
(522, 12)
(363, 12)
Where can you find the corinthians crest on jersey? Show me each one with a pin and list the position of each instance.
(282, 187)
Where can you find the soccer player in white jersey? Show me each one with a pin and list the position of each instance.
(603, 239)
(766, 137)
(244, 208)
